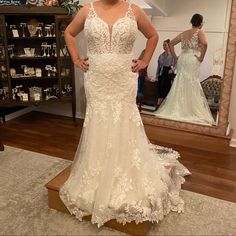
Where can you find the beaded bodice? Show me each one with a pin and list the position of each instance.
(119, 39)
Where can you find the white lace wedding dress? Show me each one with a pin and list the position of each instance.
(186, 100)
(117, 173)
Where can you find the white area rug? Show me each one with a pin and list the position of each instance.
(24, 209)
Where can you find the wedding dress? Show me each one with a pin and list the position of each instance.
(117, 173)
(186, 100)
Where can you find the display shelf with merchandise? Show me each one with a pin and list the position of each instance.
(35, 65)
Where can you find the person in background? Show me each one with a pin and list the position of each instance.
(165, 72)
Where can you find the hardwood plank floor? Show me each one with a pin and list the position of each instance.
(213, 174)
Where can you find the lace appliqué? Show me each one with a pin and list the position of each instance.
(123, 186)
(136, 160)
(157, 201)
(119, 40)
(192, 43)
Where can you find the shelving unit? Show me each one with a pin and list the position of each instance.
(35, 66)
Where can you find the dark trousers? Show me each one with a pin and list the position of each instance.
(141, 79)
(164, 82)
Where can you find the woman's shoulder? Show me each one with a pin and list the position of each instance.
(85, 8)
(135, 7)
(188, 31)
(137, 11)
(82, 13)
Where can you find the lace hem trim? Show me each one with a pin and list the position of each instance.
(129, 213)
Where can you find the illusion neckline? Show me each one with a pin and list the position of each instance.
(110, 27)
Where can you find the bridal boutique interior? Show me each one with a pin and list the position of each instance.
(48, 132)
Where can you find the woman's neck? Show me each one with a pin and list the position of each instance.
(110, 2)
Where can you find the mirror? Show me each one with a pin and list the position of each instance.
(176, 16)
(221, 129)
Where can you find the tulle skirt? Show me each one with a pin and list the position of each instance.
(117, 173)
(186, 100)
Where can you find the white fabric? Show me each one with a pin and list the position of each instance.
(186, 100)
(117, 173)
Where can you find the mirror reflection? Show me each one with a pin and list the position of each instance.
(183, 82)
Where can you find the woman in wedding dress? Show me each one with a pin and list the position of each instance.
(117, 173)
(186, 100)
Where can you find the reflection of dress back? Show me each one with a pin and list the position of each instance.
(190, 47)
(191, 43)
(186, 100)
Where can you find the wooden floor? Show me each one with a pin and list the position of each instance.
(212, 174)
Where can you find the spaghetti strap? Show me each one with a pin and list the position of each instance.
(130, 12)
(92, 12)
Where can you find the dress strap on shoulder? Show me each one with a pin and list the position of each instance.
(130, 7)
(130, 12)
(92, 12)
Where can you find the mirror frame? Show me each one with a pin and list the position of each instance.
(220, 129)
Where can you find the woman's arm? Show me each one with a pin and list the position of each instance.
(72, 30)
(203, 45)
(148, 30)
(172, 43)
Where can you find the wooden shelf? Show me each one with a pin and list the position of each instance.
(38, 102)
(32, 58)
(36, 78)
(27, 9)
(30, 38)
(14, 102)
(66, 98)
(65, 77)
(13, 15)
(3, 102)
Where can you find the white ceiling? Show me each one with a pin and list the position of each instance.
(152, 7)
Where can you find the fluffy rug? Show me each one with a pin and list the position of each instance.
(24, 209)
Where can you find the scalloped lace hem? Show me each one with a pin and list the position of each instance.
(128, 213)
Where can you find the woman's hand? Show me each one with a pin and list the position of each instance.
(82, 64)
(199, 58)
(138, 65)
